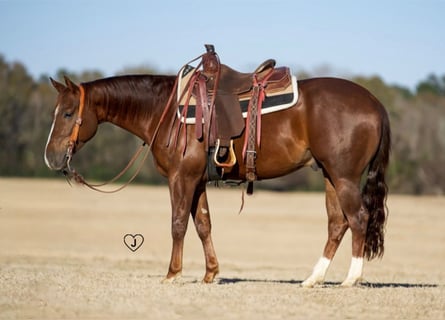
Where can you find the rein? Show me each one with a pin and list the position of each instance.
(71, 173)
(75, 133)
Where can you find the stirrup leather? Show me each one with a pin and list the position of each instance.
(231, 160)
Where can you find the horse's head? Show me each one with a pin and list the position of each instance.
(73, 125)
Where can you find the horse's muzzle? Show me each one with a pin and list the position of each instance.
(56, 161)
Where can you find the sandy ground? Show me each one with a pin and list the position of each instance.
(62, 256)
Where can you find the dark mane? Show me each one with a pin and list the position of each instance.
(134, 96)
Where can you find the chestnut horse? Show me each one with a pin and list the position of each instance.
(335, 123)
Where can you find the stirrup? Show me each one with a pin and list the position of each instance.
(231, 159)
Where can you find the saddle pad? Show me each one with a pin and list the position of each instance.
(273, 102)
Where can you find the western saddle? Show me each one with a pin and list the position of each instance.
(218, 89)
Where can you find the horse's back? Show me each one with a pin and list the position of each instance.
(339, 93)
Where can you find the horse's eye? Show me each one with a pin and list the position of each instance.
(67, 115)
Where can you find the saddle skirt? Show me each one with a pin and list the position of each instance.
(275, 100)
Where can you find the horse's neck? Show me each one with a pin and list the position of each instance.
(134, 103)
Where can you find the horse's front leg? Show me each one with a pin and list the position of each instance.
(181, 196)
(201, 217)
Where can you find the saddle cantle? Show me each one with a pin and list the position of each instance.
(218, 98)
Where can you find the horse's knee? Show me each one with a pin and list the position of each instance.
(203, 227)
(337, 230)
(179, 228)
(350, 200)
(351, 204)
(359, 221)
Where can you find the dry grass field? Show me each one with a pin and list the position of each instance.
(62, 256)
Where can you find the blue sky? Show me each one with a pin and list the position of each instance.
(401, 41)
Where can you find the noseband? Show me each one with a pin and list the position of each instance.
(75, 132)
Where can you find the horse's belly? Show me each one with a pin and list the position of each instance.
(278, 163)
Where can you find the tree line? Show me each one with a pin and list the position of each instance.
(417, 120)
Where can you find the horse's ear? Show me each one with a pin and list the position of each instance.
(59, 86)
(71, 85)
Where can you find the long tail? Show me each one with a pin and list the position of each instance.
(375, 192)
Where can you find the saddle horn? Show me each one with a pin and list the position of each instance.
(210, 48)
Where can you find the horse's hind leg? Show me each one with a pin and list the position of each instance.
(201, 217)
(337, 226)
(350, 199)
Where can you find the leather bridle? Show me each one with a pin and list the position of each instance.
(70, 173)
(75, 132)
(74, 137)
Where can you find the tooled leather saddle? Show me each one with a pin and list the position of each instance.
(217, 97)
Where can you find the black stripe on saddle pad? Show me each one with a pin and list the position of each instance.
(268, 102)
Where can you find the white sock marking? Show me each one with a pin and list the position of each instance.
(318, 273)
(355, 272)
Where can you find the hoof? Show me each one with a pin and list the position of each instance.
(348, 283)
(171, 279)
(310, 283)
(207, 281)
(210, 277)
